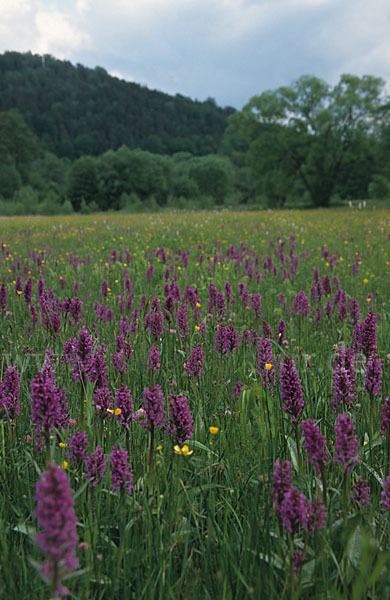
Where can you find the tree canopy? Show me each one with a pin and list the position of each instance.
(79, 111)
(309, 134)
(309, 143)
(18, 148)
(18, 145)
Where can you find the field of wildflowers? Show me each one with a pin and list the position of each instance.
(195, 406)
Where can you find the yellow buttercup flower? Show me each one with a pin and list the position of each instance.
(184, 450)
(268, 366)
(64, 464)
(213, 430)
(116, 412)
(62, 445)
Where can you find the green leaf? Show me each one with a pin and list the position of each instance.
(74, 574)
(200, 446)
(354, 546)
(272, 560)
(307, 571)
(130, 524)
(28, 530)
(373, 472)
(81, 489)
(293, 452)
(38, 470)
(204, 488)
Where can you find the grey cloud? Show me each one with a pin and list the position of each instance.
(231, 49)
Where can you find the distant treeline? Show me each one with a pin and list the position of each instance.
(36, 181)
(75, 110)
(76, 139)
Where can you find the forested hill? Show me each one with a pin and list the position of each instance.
(75, 110)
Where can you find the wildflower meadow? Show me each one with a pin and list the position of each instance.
(195, 406)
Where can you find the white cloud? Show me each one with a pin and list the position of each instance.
(237, 20)
(357, 41)
(15, 25)
(12, 9)
(310, 3)
(126, 76)
(83, 6)
(57, 35)
(30, 25)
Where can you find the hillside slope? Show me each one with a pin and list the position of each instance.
(76, 110)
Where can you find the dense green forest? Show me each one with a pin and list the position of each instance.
(75, 110)
(73, 138)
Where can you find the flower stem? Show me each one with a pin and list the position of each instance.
(292, 573)
(345, 495)
(324, 491)
(151, 449)
(268, 417)
(298, 447)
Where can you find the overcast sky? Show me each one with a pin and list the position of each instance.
(230, 50)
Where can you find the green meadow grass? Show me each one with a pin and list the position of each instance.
(202, 525)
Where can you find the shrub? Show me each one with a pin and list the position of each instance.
(379, 187)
